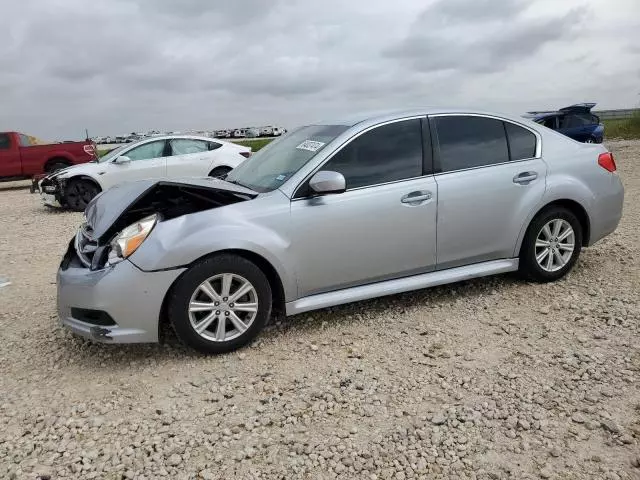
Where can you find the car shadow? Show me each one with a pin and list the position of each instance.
(121, 356)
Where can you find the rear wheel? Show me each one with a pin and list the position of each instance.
(220, 304)
(590, 140)
(551, 245)
(220, 172)
(79, 193)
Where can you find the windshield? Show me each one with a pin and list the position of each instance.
(113, 153)
(273, 165)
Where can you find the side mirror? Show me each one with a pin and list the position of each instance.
(325, 182)
(122, 159)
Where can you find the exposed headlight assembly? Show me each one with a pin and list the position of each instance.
(129, 239)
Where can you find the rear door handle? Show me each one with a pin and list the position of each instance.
(416, 197)
(524, 178)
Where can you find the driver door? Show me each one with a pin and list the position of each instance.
(146, 161)
(373, 231)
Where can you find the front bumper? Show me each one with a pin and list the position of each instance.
(131, 297)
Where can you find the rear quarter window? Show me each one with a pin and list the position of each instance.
(522, 142)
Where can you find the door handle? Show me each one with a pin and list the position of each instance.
(524, 178)
(416, 197)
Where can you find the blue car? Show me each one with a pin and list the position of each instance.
(575, 121)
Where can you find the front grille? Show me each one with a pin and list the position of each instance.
(85, 245)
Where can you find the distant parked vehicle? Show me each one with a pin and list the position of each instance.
(239, 133)
(21, 159)
(575, 121)
(157, 157)
(253, 132)
(277, 131)
(266, 131)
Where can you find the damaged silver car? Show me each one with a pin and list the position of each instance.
(334, 213)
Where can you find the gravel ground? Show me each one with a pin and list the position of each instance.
(488, 379)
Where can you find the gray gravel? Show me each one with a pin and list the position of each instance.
(489, 379)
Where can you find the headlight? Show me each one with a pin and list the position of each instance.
(129, 239)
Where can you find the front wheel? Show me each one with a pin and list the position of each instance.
(551, 245)
(220, 304)
(79, 193)
(219, 172)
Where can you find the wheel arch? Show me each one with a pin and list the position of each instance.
(275, 282)
(574, 207)
(84, 177)
(56, 159)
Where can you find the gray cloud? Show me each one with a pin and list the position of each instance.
(117, 66)
(502, 40)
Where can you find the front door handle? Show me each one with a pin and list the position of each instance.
(416, 197)
(524, 178)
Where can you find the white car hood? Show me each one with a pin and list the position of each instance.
(89, 169)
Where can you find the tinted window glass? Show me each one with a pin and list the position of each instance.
(4, 141)
(549, 122)
(468, 142)
(214, 145)
(147, 151)
(385, 154)
(522, 143)
(187, 146)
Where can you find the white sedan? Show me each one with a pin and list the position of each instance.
(172, 156)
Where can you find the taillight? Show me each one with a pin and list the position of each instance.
(245, 154)
(606, 161)
(89, 149)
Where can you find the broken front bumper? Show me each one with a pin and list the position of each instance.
(50, 191)
(118, 304)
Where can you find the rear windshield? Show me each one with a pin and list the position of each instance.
(270, 167)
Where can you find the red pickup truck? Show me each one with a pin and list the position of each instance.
(19, 159)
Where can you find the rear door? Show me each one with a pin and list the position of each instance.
(490, 176)
(10, 163)
(190, 157)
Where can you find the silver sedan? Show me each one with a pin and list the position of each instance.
(333, 213)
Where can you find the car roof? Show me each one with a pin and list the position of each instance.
(380, 116)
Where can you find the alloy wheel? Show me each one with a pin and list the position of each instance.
(555, 244)
(223, 307)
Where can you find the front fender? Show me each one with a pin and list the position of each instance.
(180, 242)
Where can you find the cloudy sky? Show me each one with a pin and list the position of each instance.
(116, 66)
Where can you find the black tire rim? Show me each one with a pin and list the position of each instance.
(79, 194)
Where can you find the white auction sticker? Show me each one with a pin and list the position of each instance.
(311, 145)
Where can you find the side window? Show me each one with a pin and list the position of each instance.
(214, 145)
(147, 151)
(469, 142)
(187, 146)
(385, 154)
(5, 143)
(576, 120)
(549, 122)
(522, 143)
(24, 140)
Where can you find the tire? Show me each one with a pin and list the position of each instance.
(563, 260)
(55, 166)
(79, 193)
(208, 314)
(220, 172)
(590, 140)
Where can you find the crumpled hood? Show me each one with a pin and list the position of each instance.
(121, 205)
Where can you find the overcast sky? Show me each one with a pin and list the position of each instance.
(120, 66)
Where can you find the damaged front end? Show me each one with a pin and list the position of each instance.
(51, 190)
(118, 220)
